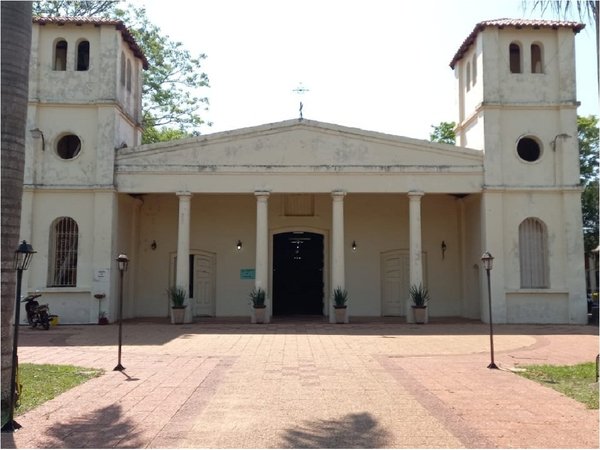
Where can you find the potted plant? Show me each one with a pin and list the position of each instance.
(102, 319)
(177, 297)
(340, 297)
(419, 296)
(257, 297)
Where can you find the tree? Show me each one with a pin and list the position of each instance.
(169, 95)
(587, 10)
(444, 133)
(16, 46)
(587, 136)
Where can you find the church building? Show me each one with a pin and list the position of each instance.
(300, 207)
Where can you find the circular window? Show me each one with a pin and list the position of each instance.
(529, 149)
(68, 146)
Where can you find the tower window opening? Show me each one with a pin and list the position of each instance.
(83, 56)
(536, 59)
(68, 146)
(60, 55)
(515, 58)
(468, 77)
(129, 75)
(474, 65)
(123, 62)
(528, 149)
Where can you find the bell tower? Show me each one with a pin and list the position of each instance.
(517, 104)
(84, 106)
(517, 100)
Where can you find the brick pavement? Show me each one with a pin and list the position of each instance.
(230, 384)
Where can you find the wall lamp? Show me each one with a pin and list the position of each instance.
(153, 245)
(36, 133)
(444, 247)
(238, 245)
(353, 246)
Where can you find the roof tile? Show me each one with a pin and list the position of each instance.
(118, 24)
(515, 23)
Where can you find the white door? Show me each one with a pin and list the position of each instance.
(394, 282)
(203, 300)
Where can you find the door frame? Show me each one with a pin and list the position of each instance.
(173, 271)
(290, 229)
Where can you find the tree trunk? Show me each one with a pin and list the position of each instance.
(16, 47)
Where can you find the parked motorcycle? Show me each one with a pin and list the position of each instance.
(36, 314)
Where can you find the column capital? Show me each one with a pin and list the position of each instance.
(183, 193)
(262, 194)
(416, 195)
(338, 195)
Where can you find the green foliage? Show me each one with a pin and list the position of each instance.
(257, 297)
(43, 382)
(419, 295)
(73, 8)
(577, 382)
(152, 135)
(177, 296)
(444, 133)
(587, 136)
(340, 297)
(170, 99)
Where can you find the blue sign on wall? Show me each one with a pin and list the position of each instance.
(247, 274)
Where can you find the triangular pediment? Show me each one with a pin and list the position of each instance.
(295, 143)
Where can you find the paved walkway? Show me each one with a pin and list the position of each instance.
(308, 385)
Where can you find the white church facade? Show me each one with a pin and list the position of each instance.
(301, 207)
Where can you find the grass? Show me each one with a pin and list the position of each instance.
(577, 382)
(43, 382)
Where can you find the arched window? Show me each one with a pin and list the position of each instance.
(537, 64)
(515, 58)
(60, 55)
(83, 56)
(64, 241)
(474, 63)
(533, 253)
(129, 75)
(468, 77)
(123, 62)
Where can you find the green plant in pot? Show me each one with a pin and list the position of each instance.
(340, 298)
(257, 297)
(177, 297)
(420, 297)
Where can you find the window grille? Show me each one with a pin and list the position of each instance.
(533, 254)
(64, 252)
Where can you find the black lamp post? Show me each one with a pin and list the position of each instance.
(23, 256)
(488, 262)
(123, 261)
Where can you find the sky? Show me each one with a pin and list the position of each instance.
(379, 65)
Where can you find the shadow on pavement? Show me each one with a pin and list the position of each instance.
(351, 431)
(103, 428)
(145, 332)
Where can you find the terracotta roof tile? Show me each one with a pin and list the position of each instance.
(118, 24)
(515, 23)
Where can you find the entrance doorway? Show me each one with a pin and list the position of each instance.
(298, 273)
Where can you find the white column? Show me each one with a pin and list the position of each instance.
(182, 277)
(338, 270)
(415, 260)
(262, 249)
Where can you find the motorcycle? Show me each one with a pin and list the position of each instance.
(36, 314)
